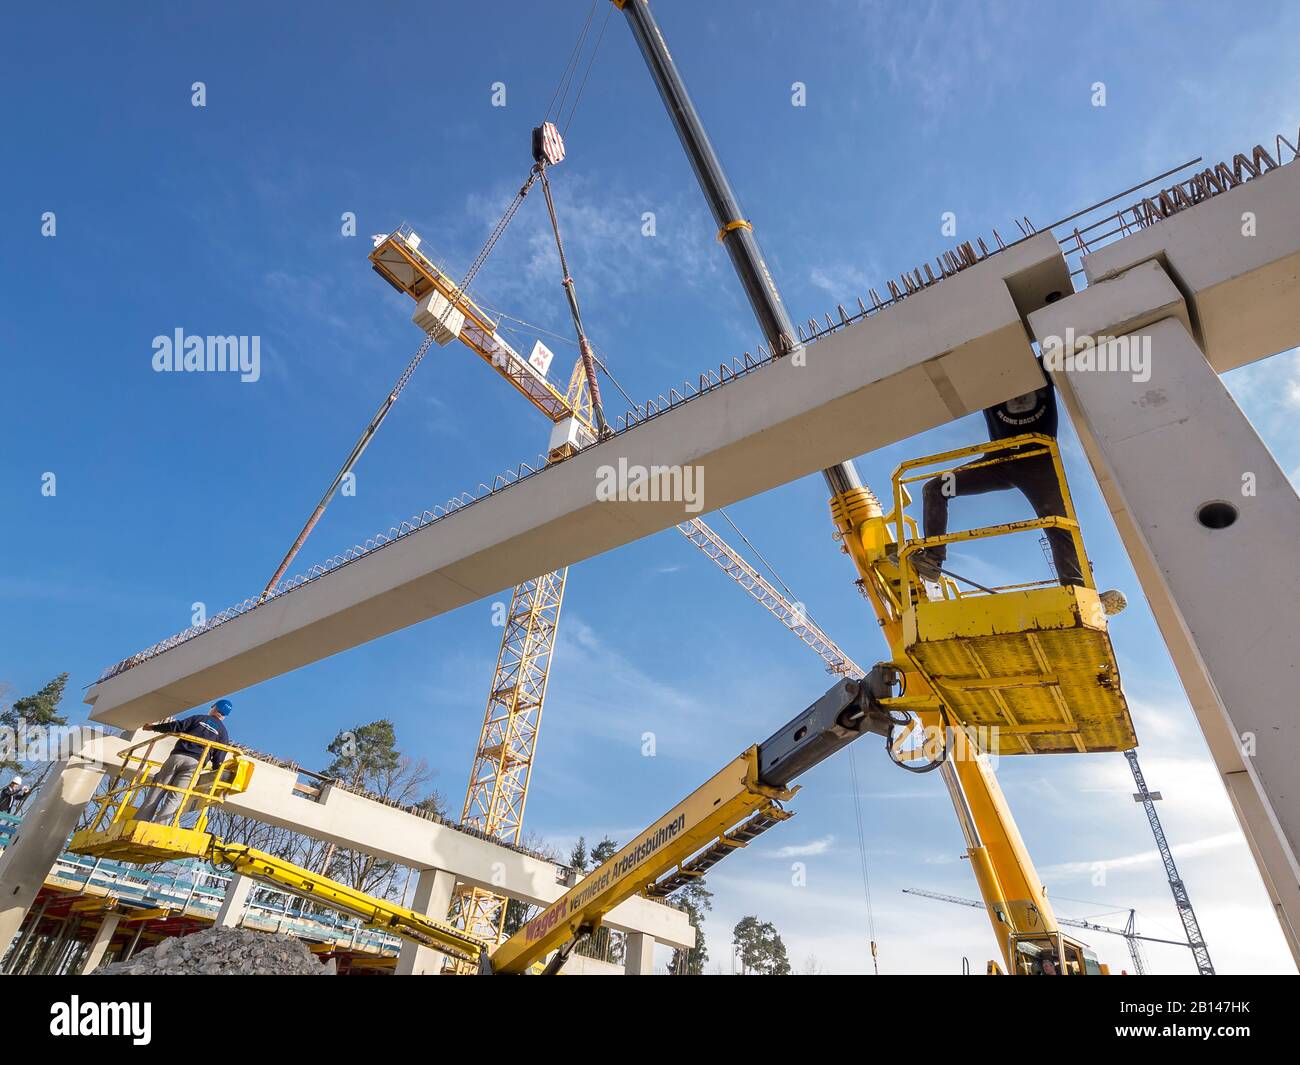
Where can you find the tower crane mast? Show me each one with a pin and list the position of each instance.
(1182, 901)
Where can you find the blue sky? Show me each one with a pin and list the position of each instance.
(183, 488)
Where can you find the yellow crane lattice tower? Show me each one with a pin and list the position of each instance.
(503, 763)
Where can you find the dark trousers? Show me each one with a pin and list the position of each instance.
(1036, 479)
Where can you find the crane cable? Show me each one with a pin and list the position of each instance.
(570, 67)
(632, 405)
(584, 345)
(862, 855)
(377, 420)
(561, 93)
(587, 73)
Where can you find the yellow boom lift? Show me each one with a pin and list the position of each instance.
(115, 832)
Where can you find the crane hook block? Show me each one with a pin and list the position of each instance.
(548, 145)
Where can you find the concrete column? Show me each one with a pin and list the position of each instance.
(234, 902)
(99, 944)
(50, 819)
(1210, 521)
(433, 889)
(638, 954)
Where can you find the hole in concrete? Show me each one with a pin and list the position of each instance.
(1052, 297)
(1217, 514)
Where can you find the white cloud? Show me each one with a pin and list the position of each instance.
(804, 850)
(1076, 870)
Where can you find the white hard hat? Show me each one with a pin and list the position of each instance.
(16, 780)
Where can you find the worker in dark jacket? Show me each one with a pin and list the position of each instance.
(1035, 477)
(179, 768)
(12, 796)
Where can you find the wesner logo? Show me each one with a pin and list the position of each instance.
(79, 1018)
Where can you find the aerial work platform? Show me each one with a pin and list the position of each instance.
(1029, 667)
(116, 832)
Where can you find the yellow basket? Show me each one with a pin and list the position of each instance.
(1029, 667)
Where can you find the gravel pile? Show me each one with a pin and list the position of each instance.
(223, 952)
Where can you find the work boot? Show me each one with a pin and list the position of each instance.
(928, 564)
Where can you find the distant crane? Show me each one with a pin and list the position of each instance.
(1181, 900)
(1148, 799)
(1129, 931)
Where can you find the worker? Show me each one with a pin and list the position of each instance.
(179, 768)
(12, 796)
(1034, 412)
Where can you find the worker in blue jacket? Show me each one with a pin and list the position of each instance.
(179, 768)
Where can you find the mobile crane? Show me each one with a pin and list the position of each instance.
(1031, 667)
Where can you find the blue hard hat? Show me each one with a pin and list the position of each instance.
(223, 707)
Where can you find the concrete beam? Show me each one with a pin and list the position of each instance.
(944, 352)
(357, 823)
(1242, 284)
(579, 965)
(1225, 599)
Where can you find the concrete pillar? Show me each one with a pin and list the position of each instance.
(433, 889)
(50, 819)
(234, 902)
(638, 954)
(1223, 582)
(99, 944)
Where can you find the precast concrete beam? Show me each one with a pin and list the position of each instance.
(1236, 260)
(357, 823)
(944, 352)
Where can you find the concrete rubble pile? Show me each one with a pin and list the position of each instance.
(223, 952)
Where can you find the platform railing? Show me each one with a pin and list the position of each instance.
(135, 782)
(995, 452)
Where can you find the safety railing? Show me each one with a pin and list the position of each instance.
(136, 784)
(953, 463)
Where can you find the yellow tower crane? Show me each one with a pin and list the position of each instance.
(503, 760)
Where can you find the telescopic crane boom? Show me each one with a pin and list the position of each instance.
(1025, 927)
(730, 809)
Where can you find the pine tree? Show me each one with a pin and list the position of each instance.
(30, 715)
(696, 900)
(603, 945)
(762, 952)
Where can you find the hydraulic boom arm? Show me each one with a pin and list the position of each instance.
(733, 807)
